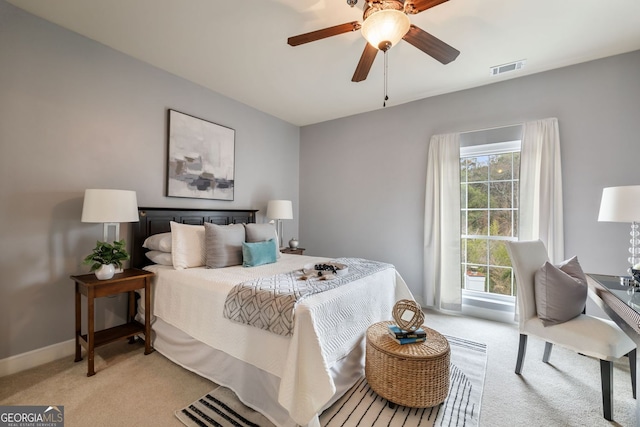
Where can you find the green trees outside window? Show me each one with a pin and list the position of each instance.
(489, 217)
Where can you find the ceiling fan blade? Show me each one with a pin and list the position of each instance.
(365, 63)
(431, 45)
(417, 6)
(324, 33)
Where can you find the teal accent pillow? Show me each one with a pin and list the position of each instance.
(260, 233)
(259, 253)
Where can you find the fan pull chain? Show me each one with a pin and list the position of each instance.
(386, 68)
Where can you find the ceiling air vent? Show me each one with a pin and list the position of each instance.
(505, 68)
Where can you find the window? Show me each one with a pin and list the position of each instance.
(489, 181)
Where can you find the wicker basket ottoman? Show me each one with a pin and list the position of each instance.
(414, 375)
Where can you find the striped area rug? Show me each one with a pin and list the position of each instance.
(361, 406)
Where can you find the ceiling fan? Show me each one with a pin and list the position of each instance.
(385, 23)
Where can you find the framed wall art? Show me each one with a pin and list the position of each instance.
(201, 158)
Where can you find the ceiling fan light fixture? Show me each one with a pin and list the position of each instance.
(385, 28)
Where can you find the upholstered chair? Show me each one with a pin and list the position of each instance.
(584, 334)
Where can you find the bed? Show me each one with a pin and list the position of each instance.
(288, 378)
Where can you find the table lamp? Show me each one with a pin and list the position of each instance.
(110, 207)
(279, 210)
(622, 204)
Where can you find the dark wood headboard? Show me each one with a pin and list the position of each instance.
(157, 220)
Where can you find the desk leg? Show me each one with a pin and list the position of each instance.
(637, 360)
(78, 325)
(625, 318)
(90, 333)
(147, 316)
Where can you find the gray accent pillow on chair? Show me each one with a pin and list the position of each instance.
(560, 291)
(223, 244)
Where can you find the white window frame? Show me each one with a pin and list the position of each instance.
(483, 303)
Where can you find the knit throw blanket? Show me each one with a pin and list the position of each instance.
(269, 302)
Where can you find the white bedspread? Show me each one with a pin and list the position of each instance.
(327, 325)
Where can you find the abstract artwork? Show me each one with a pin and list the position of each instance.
(201, 158)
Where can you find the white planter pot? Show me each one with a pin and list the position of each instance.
(105, 272)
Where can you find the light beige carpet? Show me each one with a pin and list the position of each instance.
(131, 389)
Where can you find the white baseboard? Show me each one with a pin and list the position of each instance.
(33, 358)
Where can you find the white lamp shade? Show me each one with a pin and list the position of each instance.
(280, 209)
(620, 204)
(388, 25)
(109, 206)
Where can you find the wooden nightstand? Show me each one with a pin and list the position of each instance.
(127, 281)
(296, 251)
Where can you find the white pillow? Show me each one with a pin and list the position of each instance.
(159, 257)
(158, 242)
(187, 245)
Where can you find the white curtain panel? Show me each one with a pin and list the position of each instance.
(541, 187)
(442, 276)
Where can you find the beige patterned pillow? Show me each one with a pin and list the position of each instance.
(223, 245)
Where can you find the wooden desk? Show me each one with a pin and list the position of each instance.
(622, 308)
(89, 286)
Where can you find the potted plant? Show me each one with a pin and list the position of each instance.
(106, 257)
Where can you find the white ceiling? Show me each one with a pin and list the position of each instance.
(239, 48)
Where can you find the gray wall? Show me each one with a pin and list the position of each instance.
(75, 114)
(362, 189)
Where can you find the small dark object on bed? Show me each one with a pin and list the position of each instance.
(325, 267)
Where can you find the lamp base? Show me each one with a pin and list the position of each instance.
(279, 232)
(634, 250)
(116, 231)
